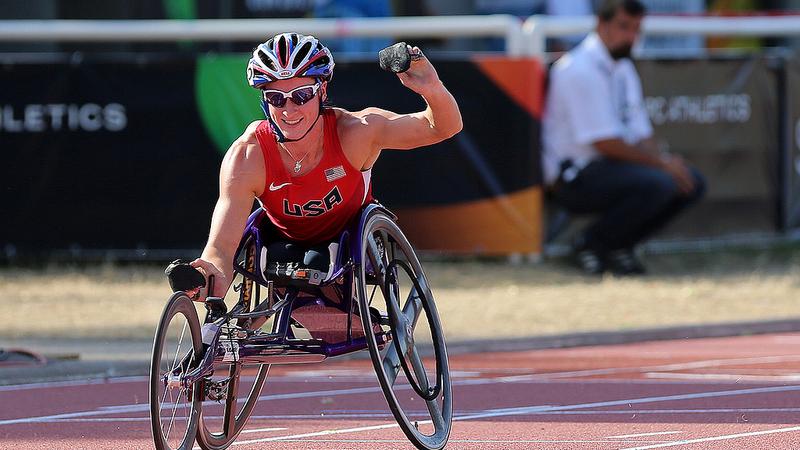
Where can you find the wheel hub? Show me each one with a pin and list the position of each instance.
(173, 381)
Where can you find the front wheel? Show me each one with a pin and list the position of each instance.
(235, 387)
(177, 348)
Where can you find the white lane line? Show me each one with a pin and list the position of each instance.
(67, 416)
(52, 384)
(291, 377)
(145, 407)
(659, 433)
(715, 438)
(388, 415)
(318, 433)
(120, 409)
(723, 376)
(538, 409)
(264, 430)
(668, 367)
(404, 442)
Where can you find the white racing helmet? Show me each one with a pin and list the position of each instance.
(289, 55)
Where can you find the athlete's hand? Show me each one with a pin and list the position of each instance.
(679, 171)
(421, 77)
(208, 269)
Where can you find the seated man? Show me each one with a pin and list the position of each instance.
(600, 155)
(308, 164)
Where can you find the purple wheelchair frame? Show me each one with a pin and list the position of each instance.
(280, 346)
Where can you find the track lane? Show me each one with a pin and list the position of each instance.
(669, 394)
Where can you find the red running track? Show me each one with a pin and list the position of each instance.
(728, 393)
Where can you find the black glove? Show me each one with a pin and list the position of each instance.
(395, 58)
(183, 277)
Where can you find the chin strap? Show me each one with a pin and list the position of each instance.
(277, 131)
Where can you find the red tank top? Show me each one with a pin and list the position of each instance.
(316, 206)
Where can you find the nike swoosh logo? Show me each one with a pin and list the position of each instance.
(272, 186)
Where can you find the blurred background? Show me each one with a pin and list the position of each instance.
(114, 116)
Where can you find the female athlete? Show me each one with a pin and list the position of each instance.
(309, 165)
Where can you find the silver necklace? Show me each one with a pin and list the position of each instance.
(297, 162)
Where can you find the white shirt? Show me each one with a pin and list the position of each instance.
(590, 98)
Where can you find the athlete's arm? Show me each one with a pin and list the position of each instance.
(440, 120)
(241, 178)
(616, 148)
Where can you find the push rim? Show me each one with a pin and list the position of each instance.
(177, 346)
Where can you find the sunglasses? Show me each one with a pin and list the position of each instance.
(299, 95)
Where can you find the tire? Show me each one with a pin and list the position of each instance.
(234, 414)
(177, 347)
(219, 425)
(400, 292)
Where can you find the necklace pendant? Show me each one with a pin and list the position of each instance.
(296, 166)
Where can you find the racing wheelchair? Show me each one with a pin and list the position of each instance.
(375, 297)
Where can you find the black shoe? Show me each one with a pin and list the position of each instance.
(624, 262)
(589, 261)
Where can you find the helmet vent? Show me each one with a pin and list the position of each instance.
(266, 60)
(301, 54)
(283, 49)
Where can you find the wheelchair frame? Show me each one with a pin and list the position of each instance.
(245, 344)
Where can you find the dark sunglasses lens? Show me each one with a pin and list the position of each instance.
(275, 99)
(302, 96)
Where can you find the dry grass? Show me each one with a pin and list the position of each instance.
(475, 299)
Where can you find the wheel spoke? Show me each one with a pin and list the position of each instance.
(176, 401)
(178, 347)
(375, 258)
(436, 415)
(413, 307)
(391, 364)
(419, 369)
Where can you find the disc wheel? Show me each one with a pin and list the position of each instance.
(177, 347)
(390, 280)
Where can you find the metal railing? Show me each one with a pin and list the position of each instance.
(522, 38)
(220, 30)
(536, 29)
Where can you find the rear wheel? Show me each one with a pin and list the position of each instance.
(391, 282)
(177, 348)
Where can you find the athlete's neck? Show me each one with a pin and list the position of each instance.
(306, 152)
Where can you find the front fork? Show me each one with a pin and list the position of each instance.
(189, 371)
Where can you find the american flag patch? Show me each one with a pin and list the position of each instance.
(334, 173)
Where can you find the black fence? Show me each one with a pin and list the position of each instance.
(122, 151)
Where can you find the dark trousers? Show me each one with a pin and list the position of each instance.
(280, 250)
(633, 201)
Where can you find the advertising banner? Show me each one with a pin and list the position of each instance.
(722, 115)
(791, 163)
(101, 155)
(124, 153)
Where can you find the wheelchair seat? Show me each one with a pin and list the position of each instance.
(287, 263)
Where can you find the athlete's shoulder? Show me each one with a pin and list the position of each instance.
(244, 154)
(363, 119)
(249, 134)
